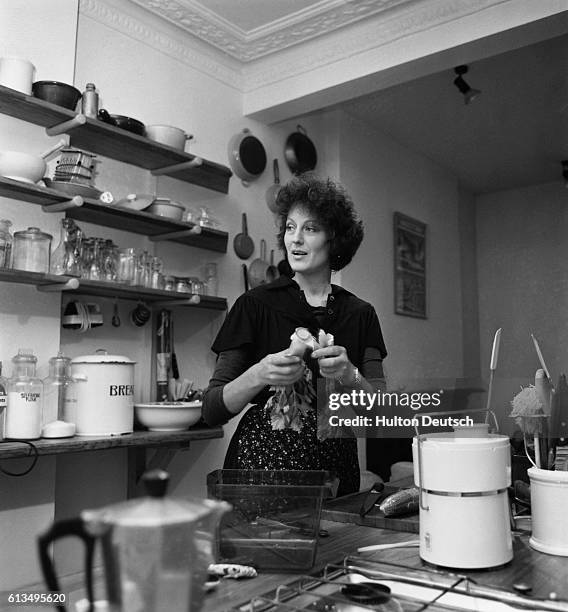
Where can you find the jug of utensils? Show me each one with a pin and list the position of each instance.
(155, 549)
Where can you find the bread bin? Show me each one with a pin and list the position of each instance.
(104, 387)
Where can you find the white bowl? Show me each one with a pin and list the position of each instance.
(168, 416)
(22, 166)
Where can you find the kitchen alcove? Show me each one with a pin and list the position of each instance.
(160, 160)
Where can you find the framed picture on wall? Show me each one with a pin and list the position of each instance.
(409, 266)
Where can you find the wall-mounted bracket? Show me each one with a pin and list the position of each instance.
(74, 202)
(66, 126)
(193, 300)
(194, 231)
(69, 285)
(188, 165)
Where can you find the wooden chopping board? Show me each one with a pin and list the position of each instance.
(346, 510)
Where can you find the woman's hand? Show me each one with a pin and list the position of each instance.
(333, 362)
(279, 369)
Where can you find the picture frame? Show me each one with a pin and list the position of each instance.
(409, 266)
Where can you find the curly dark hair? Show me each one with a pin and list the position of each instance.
(331, 206)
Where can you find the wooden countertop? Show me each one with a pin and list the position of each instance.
(544, 573)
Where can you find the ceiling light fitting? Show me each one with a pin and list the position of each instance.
(468, 92)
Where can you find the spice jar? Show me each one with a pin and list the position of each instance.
(31, 250)
(5, 243)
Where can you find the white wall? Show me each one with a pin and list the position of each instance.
(522, 268)
(30, 318)
(384, 177)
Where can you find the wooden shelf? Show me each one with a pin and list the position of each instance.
(150, 296)
(113, 142)
(137, 222)
(82, 444)
(112, 290)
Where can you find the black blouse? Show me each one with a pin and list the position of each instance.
(262, 321)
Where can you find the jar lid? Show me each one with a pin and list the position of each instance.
(24, 355)
(102, 356)
(33, 233)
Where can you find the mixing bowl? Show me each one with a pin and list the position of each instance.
(168, 416)
(22, 166)
(57, 93)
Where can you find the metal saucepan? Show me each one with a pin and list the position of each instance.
(259, 267)
(169, 135)
(247, 156)
(272, 191)
(125, 123)
(242, 243)
(272, 271)
(300, 152)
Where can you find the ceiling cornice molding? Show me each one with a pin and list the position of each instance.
(210, 62)
(315, 21)
(373, 33)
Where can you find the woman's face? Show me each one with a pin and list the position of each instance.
(306, 242)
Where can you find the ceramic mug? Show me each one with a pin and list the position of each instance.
(17, 73)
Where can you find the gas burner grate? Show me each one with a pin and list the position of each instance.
(358, 584)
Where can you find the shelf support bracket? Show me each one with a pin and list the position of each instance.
(187, 165)
(193, 300)
(65, 126)
(74, 202)
(194, 231)
(72, 283)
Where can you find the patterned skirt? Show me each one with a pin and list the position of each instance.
(256, 446)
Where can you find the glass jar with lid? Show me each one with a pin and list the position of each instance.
(31, 250)
(5, 243)
(25, 399)
(58, 402)
(127, 266)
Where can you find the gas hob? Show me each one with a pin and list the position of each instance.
(358, 584)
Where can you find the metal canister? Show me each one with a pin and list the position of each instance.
(90, 101)
(31, 250)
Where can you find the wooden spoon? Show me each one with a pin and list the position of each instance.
(242, 243)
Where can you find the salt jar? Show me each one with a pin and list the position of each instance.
(31, 250)
(25, 399)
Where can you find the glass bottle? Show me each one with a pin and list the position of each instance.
(127, 262)
(90, 101)
(95, 266)
(63, 259)
(211, 278)
(5, 243)
(3, 401)
(25, 397)
(58, 396)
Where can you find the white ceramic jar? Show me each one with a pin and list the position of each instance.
(17, 73)
(104, 390)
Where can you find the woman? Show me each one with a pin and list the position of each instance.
(319, 233)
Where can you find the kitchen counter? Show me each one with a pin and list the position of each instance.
(544, 573)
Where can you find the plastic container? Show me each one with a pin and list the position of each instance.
(275, 518)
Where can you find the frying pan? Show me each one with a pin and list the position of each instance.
(273, 190)
(242, 243)
(300, 152)
(258, 267)
(272, 271)
(126, 123)
(247, 156)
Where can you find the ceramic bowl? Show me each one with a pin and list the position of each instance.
(57, 93)
(164, 207)
(168, 416)
(22, 166)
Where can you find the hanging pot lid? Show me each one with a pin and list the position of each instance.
(300, 152)
(247, 156)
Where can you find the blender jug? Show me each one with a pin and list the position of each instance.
(155, 550)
